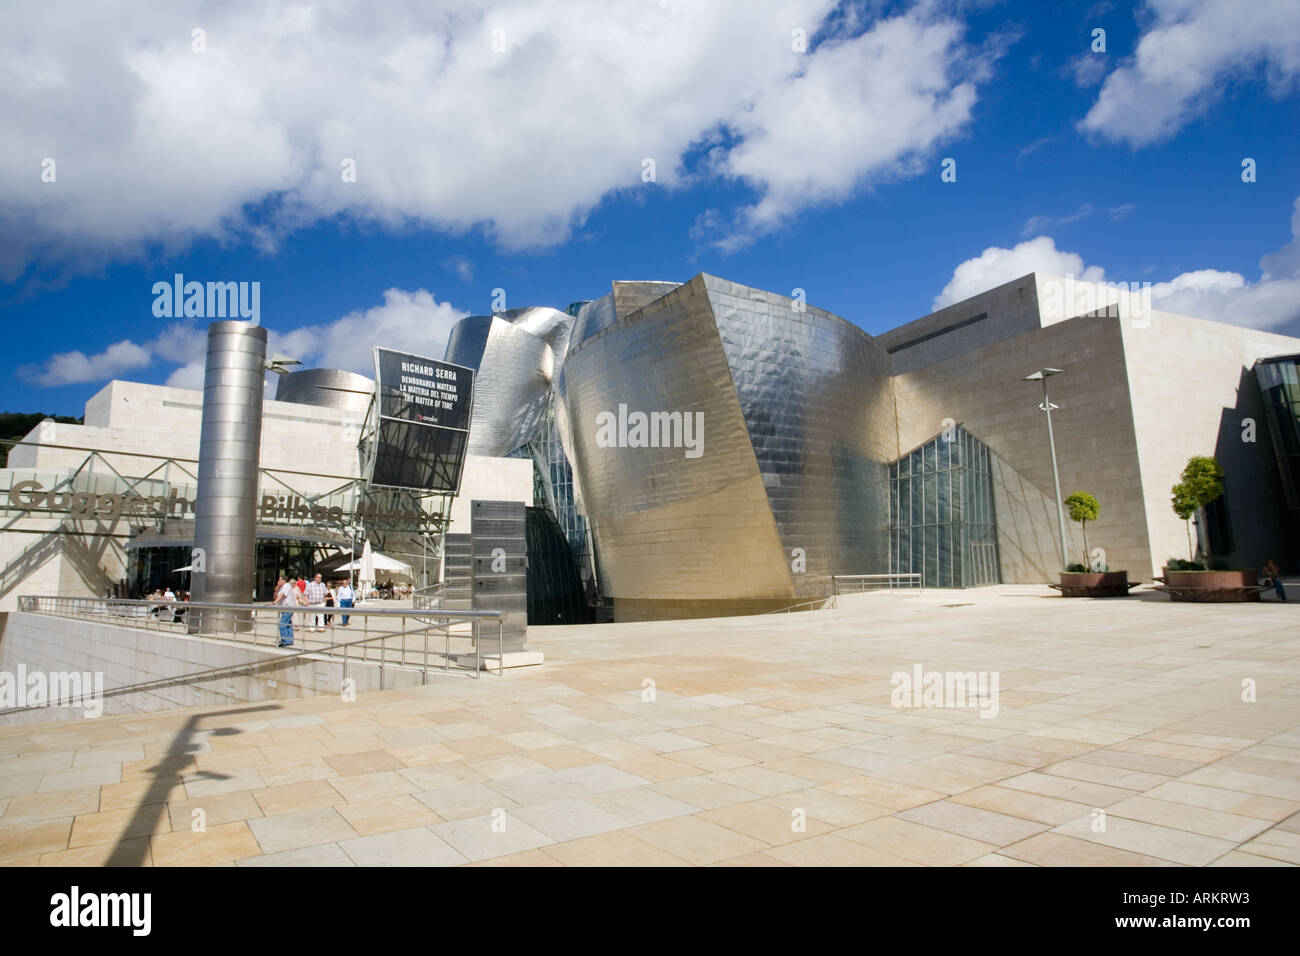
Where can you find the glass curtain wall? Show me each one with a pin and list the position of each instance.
(1279, 383)
(942, 524)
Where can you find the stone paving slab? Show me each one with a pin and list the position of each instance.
(1120, 737)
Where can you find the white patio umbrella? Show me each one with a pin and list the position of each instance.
(367, 569)
(379, 562)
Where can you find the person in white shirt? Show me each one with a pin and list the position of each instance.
(345, 598)
(316, 598)
(284, 597)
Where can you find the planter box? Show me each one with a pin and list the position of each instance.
(1212, 586)
(1094, 584)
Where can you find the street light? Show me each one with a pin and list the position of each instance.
(1042, 375)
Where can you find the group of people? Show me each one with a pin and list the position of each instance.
(314, 594)
(166, 610)
(389, 591)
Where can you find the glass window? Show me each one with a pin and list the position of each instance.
(942, 518)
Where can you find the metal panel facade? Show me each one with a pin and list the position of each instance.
(499, 583)
(797, 427)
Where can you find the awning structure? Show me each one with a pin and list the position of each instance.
(180, 534)
(382, 562)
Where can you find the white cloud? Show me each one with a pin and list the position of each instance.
(1037, 224)
(74, 368)
(189, 375)
(1285, 261)
(1272, 301)
(1184, 60)
(1033, 147)
(157, 145)
(1228, 297)
(1086, 69)
(995, 265)
(461, 266)
(178, 342)
(408, 321)
(869, 108)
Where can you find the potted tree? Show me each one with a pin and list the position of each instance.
(1087, 579)
(1200, 484)
(1184, 504)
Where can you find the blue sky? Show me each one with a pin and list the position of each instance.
(519, 166)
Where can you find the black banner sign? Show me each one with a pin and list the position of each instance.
(424, 408)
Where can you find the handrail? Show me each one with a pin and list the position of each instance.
(836, 578)
(428, 596)
(823, 601)
(243, 624)
(334, 610)
(212, 673)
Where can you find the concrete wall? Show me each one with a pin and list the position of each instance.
(126, 655)
(37, 557)
(1095, 440)
(154, 421)
(1142, 392)
(491, 479)
(1012, 309)
(1193, 388)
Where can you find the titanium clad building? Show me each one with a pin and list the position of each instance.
(706, 448)
(518, 353)
(778, 475)
(730, 449)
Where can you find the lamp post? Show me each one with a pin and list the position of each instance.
(424, 559)
(1042, 375)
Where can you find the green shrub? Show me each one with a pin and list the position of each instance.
(1083, 508)
(1178, 564)
(1200, 483)
(1185, 507)
(1076, 568)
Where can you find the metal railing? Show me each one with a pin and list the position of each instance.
(863, 582)
(821, 603)
(410, 630)
(429, 596)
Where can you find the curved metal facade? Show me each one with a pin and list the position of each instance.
(327, 388)
(796, 408)
(516, 355)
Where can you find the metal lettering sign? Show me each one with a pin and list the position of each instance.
(422, 422)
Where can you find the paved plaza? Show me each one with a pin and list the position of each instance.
(1119, 732)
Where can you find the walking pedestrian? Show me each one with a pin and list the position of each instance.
(316, 598)
(300, 598)
(345, 598)
(285, 597)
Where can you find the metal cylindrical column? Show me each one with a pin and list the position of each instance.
(230, 443)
